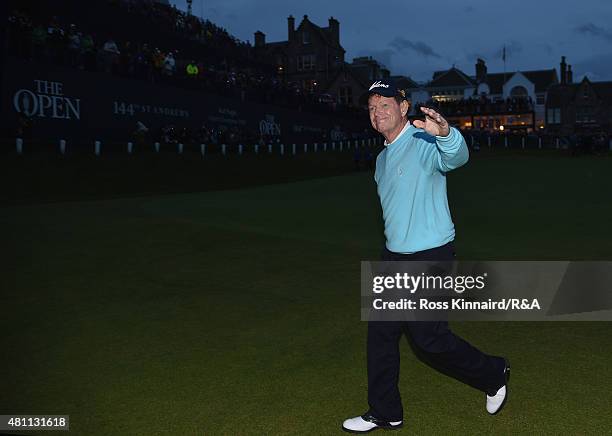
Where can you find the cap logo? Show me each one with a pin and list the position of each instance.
(378, 84)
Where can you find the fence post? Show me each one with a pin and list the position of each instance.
(557, 142)
(305, 148)
(539, 142)
(202, 149)
(97, 148)
(340, 145)
(180, 148)
(269, 148)
(240, 149)
(130, 147)
(316, 146)
(282, 149)
(156, 145)
(223, 149)
(523, 142)
(256, 148)
(506, 141)
(62, 146)
(293, 149)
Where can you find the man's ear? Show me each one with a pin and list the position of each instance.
(404, 107)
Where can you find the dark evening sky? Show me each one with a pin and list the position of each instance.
(418, 38)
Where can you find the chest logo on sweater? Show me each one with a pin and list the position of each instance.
(400, 171)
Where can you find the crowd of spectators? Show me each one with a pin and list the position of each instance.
(172, 135)
(232, 136)
(187, 26)
(234, 75)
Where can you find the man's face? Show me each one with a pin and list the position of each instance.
(385, 113)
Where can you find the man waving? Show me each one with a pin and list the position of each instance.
(411, 183)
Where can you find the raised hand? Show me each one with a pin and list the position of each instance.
(434, 123)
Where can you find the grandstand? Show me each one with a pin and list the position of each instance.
(159, 77)
(156, 70)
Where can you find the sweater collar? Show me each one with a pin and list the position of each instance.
(406, 127)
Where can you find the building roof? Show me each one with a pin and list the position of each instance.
(496, 82)
(323, 32)
(450, 78)
(437, 74)
(405, 82)
(562, 94)
(278, 44)
(542, 79)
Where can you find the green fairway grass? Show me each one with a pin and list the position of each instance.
(237, 312)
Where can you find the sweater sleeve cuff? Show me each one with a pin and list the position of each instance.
(448, 138)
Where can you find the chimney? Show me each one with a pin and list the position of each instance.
(290, 27)
(570, 75)
(481, 70)
(334, 29)
(563, 71)
(260, 39)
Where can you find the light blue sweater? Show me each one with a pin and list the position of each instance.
(411, 178)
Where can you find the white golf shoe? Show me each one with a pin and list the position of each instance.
(367, 423)
(496, 402)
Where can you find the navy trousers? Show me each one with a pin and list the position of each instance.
(433, 342)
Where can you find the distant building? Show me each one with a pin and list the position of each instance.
(346, 87)
(311, 57)
(368, 69)
(353, 79)
(584, 107)
(489, 101)
(451, 85)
